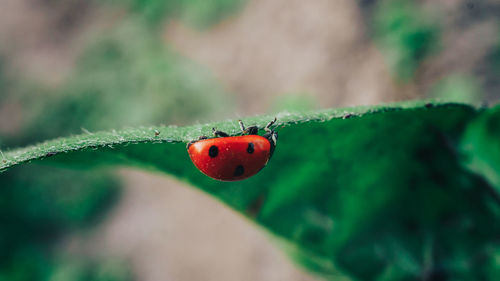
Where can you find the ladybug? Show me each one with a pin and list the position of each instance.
(235, 158)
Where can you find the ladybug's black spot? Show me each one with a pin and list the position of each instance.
(213, 151)
(239, 171)
(250, 148)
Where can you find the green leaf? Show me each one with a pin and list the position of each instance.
(366, 193)
(480, 146)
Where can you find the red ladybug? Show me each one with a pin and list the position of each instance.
(233, 158)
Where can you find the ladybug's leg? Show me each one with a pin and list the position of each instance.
(252, 130)
(219, 133)
(267, 129)
(241, 126)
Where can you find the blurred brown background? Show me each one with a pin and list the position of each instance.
(68, 65)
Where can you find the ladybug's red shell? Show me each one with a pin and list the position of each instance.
(230, 158)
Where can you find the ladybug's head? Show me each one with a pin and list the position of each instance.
(271, 136)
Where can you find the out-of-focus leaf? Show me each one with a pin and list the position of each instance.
(295, 102)
(78, 270)
(199, 13)
(204, 13)
(40, 204)
(480, 146)
(405, 34)
(458, 87)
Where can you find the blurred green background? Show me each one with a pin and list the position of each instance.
(78, 66)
